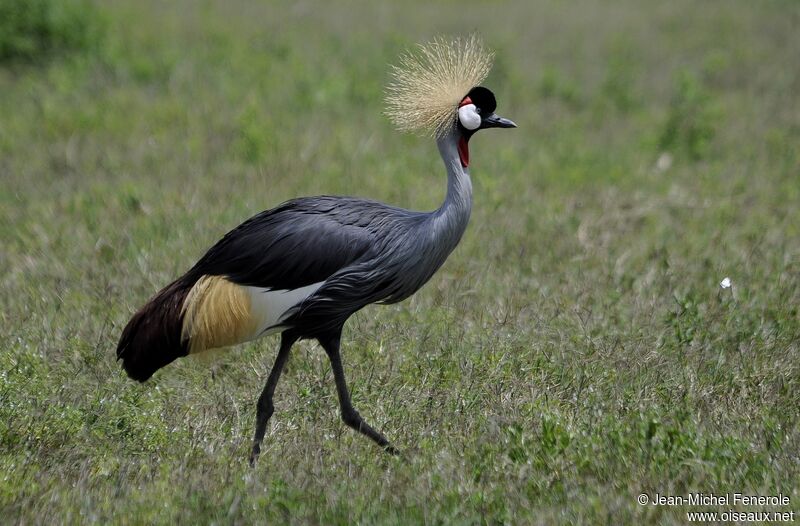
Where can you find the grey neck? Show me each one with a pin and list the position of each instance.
(451, 219)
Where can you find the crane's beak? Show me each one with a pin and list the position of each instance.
(496, 121)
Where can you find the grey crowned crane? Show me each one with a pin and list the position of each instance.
(303, 268)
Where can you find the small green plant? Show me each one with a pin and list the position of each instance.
(553, 85)
(619, 84)
(32, 29)
(690, 123)
(254, 135)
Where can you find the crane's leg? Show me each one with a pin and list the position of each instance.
(264, 408)
(350, 416)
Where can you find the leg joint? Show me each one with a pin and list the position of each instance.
(352, 418)
(265, 407)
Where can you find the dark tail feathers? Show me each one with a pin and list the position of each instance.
(152, 338)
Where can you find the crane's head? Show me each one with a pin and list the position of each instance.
(476, 112)
(436, 91)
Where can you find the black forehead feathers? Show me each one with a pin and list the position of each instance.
(483, 98)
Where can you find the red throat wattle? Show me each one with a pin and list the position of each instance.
(463, 151)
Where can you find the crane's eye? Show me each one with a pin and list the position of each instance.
(468, 117)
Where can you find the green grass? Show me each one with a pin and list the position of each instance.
(575, 351)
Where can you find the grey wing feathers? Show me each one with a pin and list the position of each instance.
(301, 242)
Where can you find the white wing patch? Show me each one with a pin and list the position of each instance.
(268, 306)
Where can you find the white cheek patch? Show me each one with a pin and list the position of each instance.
(469, 117)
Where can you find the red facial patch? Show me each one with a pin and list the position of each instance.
(463, 146)
(463, 151)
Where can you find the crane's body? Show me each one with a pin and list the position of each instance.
(303, 268)
(335, 255)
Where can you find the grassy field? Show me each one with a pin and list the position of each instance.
(576, 350)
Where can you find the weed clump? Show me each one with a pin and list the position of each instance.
(690, 125)
(31, 30)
